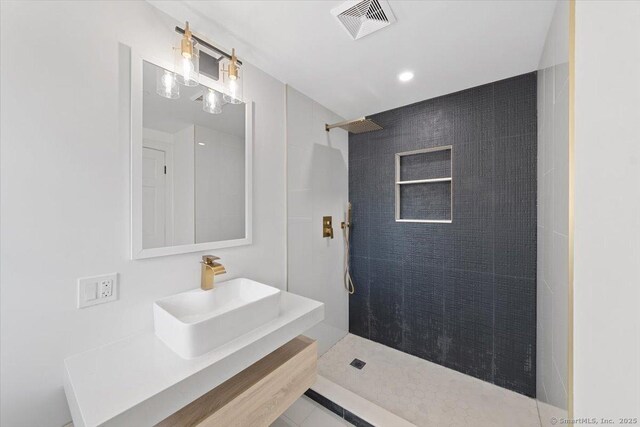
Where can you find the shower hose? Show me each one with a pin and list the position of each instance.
(348, 281)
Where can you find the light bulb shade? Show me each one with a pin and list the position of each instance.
(233, 86)
(166, 84)
(212, 101)
(187, 65)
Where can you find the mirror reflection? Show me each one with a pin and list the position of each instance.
(193, 163)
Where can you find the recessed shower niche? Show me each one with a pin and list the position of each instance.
(424, 185)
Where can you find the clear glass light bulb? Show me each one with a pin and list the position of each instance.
(232, 79)
(167, 80)
(212, 102)
(234, 92)
(166, 84)
(187, 69)
(187, 66)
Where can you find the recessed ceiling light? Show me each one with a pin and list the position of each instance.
(200, 143)
(405, 76)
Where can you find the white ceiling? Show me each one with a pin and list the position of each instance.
(449, 45)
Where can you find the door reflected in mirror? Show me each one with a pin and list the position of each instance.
(193, 164)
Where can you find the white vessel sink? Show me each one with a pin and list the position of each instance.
(195, 322)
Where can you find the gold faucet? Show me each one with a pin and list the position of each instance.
(210, 269)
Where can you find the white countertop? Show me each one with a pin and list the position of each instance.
(138, 381)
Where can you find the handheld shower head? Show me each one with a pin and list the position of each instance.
(347, 223)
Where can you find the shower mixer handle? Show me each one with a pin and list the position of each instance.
(327, 226)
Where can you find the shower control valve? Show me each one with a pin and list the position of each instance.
(327, 226)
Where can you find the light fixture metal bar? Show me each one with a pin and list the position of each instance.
(207, 45)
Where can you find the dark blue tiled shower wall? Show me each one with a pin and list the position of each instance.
(462, 294)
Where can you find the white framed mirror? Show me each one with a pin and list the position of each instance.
(190, 168)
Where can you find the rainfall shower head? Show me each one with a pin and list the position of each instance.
(360, 125)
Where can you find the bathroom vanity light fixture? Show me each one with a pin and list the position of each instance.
(221, 53)
(232, 80)
(186, 59)
(166, 84)
(232, 77)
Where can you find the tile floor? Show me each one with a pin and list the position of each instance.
(306, 413)
(422, 392)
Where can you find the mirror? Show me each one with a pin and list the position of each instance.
(191, 168)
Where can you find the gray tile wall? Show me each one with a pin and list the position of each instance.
(462, 294)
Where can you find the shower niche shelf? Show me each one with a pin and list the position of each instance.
(424, 185)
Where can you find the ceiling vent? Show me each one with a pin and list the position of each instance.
(363, 17)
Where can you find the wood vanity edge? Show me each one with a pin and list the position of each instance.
(259, 394)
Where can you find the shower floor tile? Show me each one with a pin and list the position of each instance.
(422, 392)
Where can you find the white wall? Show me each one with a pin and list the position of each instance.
(220, 189)
(607, 210)
(183, 187)
(317, 185)
(65, 193)
(553, 216)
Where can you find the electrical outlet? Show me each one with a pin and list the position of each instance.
(106, 288)
(97, 290)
